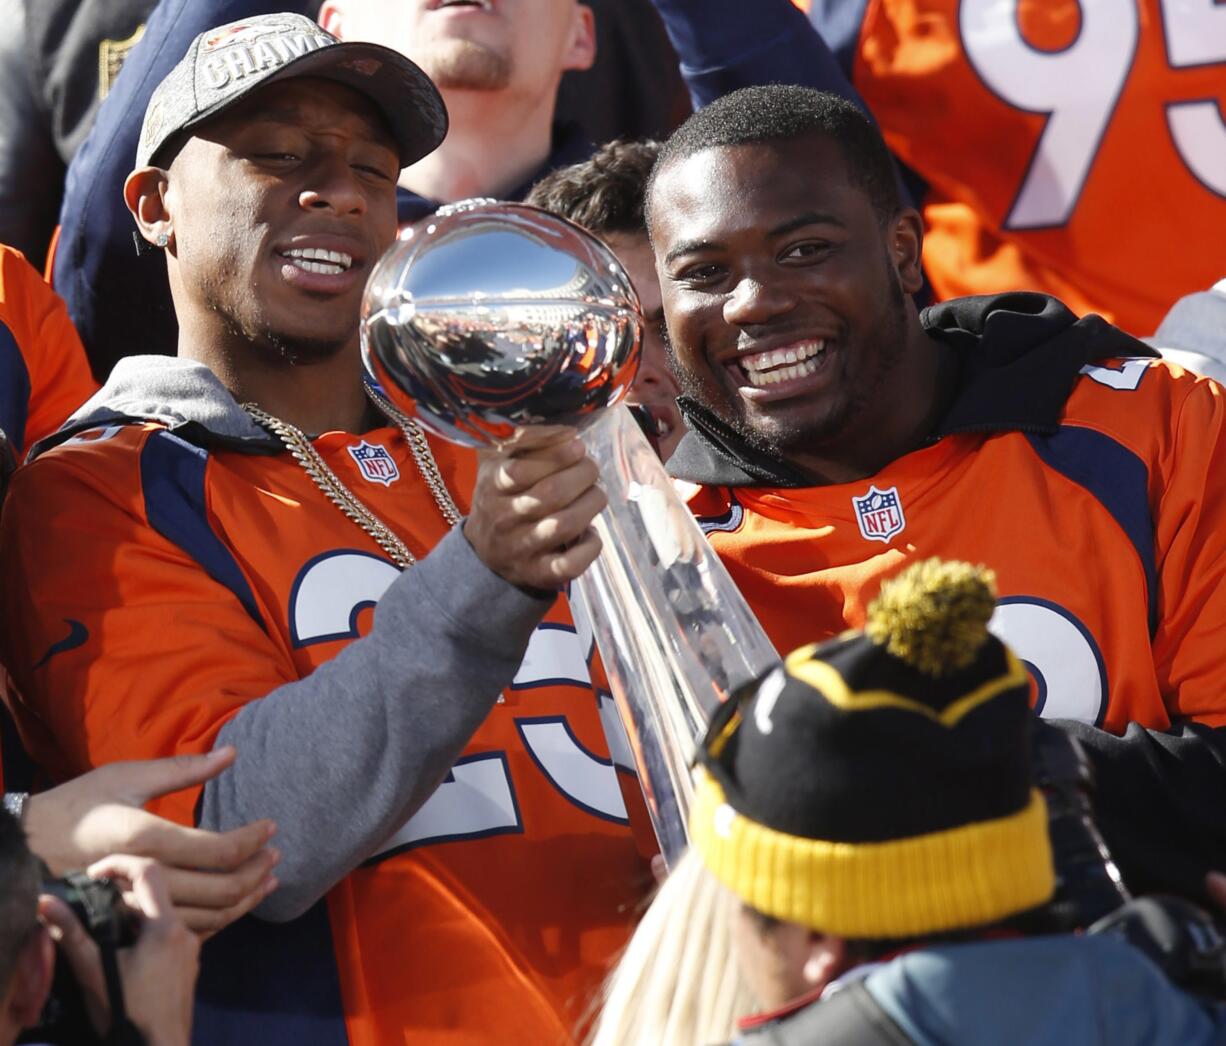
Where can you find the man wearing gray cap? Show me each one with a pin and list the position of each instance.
(222, 524)
(497, 65)
(224, 65)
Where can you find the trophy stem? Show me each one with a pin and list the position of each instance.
(674, 633)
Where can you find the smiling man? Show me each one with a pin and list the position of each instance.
(498, 64)
(456, 864)
(837, 435)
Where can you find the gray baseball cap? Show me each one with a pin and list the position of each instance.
(224, 65)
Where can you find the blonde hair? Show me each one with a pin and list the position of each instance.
(677, 983)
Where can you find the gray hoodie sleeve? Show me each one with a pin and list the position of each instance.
(343, 758)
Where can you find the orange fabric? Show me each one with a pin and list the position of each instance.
(50, 350)
(441, 942)
(1072, 584)
(1144, 227)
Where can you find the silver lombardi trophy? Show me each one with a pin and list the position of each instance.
(491, 316)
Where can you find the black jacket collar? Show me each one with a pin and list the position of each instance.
(1018, 356)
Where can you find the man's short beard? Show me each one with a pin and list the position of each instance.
(292, 352)
(461, 65)
(302, 352)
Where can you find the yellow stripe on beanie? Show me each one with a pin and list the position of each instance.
(826, 679)
(971, 875)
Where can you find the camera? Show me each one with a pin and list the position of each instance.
(1181, 939)
(98, 905)
(1088, 883)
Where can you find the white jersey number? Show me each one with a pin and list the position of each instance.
(1078, 88)
(1062, 656)
(478, 797)
(1124, 378)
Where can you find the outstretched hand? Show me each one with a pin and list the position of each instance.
(533, 505)
(213, 878)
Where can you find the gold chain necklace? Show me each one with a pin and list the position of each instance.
(334, 489)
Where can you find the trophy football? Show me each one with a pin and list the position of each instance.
(490, 316)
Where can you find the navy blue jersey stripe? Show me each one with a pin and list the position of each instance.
(270, 984)
(1118, 479)
(172, 478)
(729, 521)
(14, 388)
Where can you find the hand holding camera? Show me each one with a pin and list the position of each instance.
(152, 953)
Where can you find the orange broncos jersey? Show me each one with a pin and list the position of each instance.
(179, 585)
(1108, 539)
(44, 375)
(1077, 148)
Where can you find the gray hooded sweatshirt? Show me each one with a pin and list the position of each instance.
(342, 758)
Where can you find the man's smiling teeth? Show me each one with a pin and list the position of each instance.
(775, 365)
(316, 259)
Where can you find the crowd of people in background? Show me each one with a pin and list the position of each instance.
(933, 317)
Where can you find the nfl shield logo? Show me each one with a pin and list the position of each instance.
(879, 513)
(377, 465)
